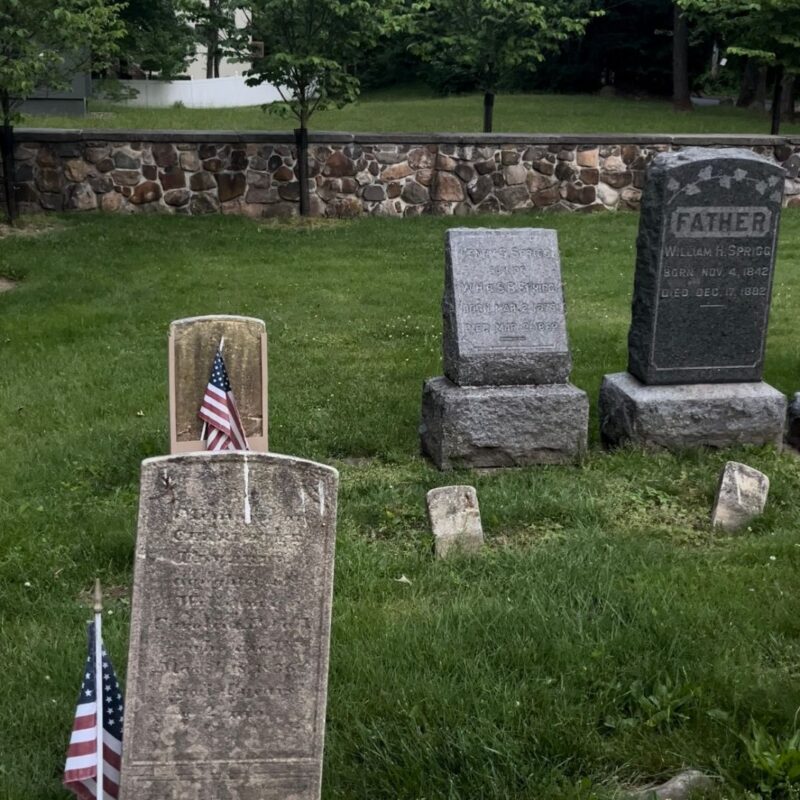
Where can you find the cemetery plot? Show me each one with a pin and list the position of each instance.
(701, 301)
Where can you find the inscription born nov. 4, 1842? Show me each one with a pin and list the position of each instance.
(503, 308)
(706, 253)
(230, 627)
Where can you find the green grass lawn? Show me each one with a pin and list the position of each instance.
(607, 636)
(416, 110)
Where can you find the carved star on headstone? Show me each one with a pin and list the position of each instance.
(725, 181)
(705, 173)
(739, 175)
(673, 185)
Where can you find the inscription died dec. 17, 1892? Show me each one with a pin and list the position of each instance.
(706, 253)
(503, 308)
(227, 672)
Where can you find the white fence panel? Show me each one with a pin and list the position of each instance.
(202, 93)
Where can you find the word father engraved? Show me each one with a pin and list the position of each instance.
(721, 221)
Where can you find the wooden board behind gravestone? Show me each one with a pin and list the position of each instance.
(230, 626)
(705, 259)
(503, 308)
(192, 344)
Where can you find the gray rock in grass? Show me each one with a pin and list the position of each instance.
(685, 785)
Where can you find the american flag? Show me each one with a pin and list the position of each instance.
(223, 429)
(80, 772)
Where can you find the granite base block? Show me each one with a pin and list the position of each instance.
(688, 415)
(502, 426)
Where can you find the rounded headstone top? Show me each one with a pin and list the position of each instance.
(238, 456)
(693, 155)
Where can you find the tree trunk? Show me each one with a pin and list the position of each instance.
(788, 96)
(488, 111)
(301, 142)
(761, 90)
(681, 97)
(748, 85)
(209, 61)
(7, 148)
(777, 92)
(715, 61)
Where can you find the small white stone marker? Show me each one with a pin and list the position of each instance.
(741, 496)
(455, 520)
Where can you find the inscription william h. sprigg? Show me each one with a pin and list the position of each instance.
(704, 267)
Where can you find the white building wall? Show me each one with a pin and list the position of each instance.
(227, 69)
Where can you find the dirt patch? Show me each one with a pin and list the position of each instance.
(30, 226)
(6, 285)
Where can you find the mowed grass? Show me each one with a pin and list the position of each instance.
(415, 109)
(606, 638)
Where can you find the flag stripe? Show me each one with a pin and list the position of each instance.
(213, 418)
(84, 722)
(84, 748)
(215, 404)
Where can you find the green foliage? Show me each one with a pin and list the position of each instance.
(42, 42)
(310, 47)
(159, 39)
(767, 31)
(663, 704)
(774, 762)
(482, 43)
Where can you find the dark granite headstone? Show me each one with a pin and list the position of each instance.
(793, 422)
(503, 308)
(706, 252)
(230, 623)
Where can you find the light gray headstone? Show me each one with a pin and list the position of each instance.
(741, 496)
(228, 662)
(503, 308)
(455, 520)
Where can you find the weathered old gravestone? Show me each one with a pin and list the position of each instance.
(741, 496)
(505, 399)
(704, 272)
(228, 662)
(192, 344)
(455, 520)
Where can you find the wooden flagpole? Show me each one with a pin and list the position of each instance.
(98, 683)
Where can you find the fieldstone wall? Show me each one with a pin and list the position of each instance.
(350, 174)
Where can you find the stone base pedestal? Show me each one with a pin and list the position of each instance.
(503, 426)
(687, 415)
